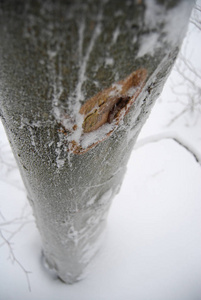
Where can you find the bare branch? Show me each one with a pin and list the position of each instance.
(2, 216)
(6, 240)
(177, 116)
(195, 19)
(175, 137)
(14, 259)
(12, 234)
(188, 87)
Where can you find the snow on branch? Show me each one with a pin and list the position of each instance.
(175, 137)
(14, 259)
(195, 19)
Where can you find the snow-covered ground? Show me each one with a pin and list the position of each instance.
(152, 249)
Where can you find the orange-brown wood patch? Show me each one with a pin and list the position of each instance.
(110, 105)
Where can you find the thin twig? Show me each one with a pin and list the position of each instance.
(14, 259)
(2, 216)
(177, 116)
(14, 221)
(12, 234)
(175, 137)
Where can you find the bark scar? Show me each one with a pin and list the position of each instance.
(109, 107)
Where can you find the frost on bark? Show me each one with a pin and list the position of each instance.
(77, 82)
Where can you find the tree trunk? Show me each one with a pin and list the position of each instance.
(77, 82)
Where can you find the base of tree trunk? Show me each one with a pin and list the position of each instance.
(83, 241)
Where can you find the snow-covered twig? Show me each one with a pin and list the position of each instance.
(2, 216)
(8, 166)
(14, 259)
(177, 116)
(188, 88)
(195, 16)
(12, 234)
(175, 137)
(18, 222)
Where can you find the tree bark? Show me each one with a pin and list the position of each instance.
(78, 80)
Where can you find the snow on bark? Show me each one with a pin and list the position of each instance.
(78, 81)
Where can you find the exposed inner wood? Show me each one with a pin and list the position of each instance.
(109, 106)
(106, 106)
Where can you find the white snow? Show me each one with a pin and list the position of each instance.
(152, 9)
(91, 201)
(175, 18)
(116, 89)
(74, 101)
(153, 243)
(84, 61)
(115, 35)
(148, 44)
(109, 61)
(93, 137)
(173, 33)
(60, 162)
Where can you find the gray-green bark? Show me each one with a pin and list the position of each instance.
(54, 56)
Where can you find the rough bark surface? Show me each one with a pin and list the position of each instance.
(77, 82)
